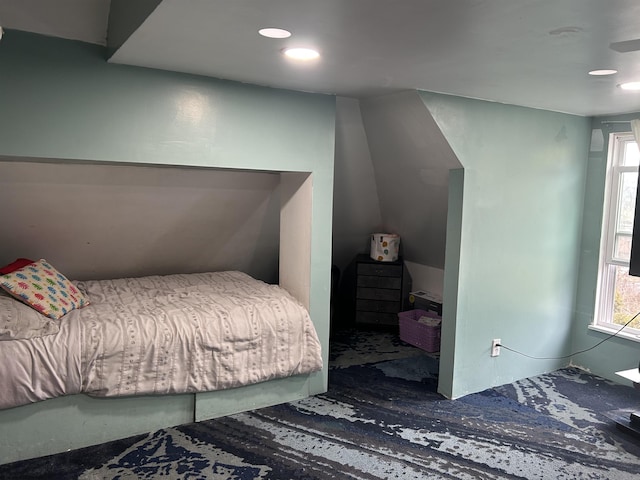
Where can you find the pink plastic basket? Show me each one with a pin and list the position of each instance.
(426, 337)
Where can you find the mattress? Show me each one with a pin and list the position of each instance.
(161, 335)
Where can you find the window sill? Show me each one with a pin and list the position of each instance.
(610, 331)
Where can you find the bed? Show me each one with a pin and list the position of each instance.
(155, 335)
(148, 353)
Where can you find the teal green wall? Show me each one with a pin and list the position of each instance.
(524, 176)
(448, 333)
(60, 99)
(617, 353)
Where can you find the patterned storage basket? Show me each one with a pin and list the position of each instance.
(420, 332)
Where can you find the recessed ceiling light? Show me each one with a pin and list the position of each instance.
(630, 86)
(301, 53)
(274, 33)
(604, 71)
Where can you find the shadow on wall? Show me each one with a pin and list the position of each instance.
(411, 159)
(392, 169)
(107, 221)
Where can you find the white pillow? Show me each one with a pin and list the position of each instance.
(18, 321)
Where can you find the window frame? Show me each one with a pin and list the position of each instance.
(603, 317)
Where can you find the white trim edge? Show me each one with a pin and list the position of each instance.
(608, 330)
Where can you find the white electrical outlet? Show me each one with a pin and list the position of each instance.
(495, 347)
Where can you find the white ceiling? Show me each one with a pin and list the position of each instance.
(532, 53)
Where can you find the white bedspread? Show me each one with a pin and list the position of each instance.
(161, 335)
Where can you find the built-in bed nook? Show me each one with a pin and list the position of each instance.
(146, 223)
(252, 168)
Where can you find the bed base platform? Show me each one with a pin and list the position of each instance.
(75, 421)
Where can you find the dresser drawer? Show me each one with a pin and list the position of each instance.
(379, 294)
(380, 270)
(379, 282)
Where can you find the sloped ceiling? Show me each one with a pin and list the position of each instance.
(84, 20)
(411, 160)
(522, 52)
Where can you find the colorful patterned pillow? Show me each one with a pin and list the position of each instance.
(44, 288)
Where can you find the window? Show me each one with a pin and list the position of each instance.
(619, 293)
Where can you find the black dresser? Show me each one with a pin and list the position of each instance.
(382, 290)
